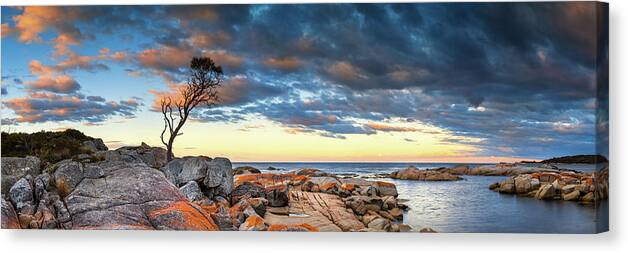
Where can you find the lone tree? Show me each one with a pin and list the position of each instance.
(201, 89)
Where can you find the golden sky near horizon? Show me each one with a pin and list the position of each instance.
(265, 141)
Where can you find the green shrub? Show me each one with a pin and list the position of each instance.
(49, 147)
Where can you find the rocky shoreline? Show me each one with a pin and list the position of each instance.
(136, 188)
(546, 182)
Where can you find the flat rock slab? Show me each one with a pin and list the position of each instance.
(325, 212)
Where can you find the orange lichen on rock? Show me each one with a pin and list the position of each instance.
(547, 177)
(269, 179)
(10, 219)
(384, 184)
(118, 227)
(328, 186)
(254, 221)
(208, 208)
(182, 215)
(292, 227)
(347, 187)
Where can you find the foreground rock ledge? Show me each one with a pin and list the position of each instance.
(135, 188)
(133, 197)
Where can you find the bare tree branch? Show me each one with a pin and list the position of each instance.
(201, 88)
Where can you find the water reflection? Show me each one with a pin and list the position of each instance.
(469, 206)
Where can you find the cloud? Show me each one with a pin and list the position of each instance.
(59, 84)
(239, 90)
(345, 72)
(6, 30)
(37, 68)
(496, 72)
(390, 128)
(284, 64)
(207, 40)
(35, 20)
(224, 58)
(42, 107)
(165, 58)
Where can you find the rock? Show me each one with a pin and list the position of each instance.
(133, 196)
(502, 170)
(253, 223)
(9, 216)
(94, 145)
(557, 186)
(427, 230)
(223, 219)
(21, 194)
(394, 227)
(389, 202)
(310, 172)
(507, 186)
(182, 170)
(320, 211)
(14, 168)
(571, 196)
(92, 171)
(323, 184)
(358, 207)
(535, 183)
(371, 191)
(396, 213)
(154, 157)
(277, 196)
(275, 186)
(523, 184)
(222, 201)
(219, 176)
(303, 227)
(246, 170)
(583, 188)
(42, 182)
(568, 189)
(44, 218)
(404, 228)
(259, 205)
(67, 176)
(413, 173)
(25, 219)
(380, 224)
(192, 191)
(370, 216)
(384, 188)
(361, 204)
(62, 213)
(546, 191)
(494, 186)
(589, 197)
(547, 177)
(247, 190)
(459, 170)
(240, 211)
(386, 215)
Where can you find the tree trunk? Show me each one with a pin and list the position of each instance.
(169, 156)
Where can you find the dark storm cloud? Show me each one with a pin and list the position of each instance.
(521, 76)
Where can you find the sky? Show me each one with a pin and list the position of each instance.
(430, 82)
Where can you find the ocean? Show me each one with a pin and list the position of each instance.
(468, 206)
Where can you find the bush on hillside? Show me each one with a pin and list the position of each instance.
(49, 147)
